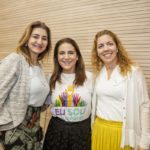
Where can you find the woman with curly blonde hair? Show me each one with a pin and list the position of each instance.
(120, 112)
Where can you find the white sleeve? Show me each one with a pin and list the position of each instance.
(48, 99)
(144, 110)
(9, 70)
(94, 101)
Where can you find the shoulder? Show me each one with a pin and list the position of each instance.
(136, 73)
(89, 74)
(135, 69)
(13, 57)
(12, 60)
(90, 77)
(10, 64)
(89, 83)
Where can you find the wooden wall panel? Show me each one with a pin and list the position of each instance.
(129, 19)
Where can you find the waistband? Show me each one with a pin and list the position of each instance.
(109, 122)
(60, 121)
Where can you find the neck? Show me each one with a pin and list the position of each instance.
(111, 66)
(34, 60)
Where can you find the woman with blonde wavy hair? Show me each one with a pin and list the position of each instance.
(120, 112)
(23, 90)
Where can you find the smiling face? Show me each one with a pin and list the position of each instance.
(37, 42)
(67, 58)
(107, 49)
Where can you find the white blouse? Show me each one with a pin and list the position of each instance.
(39, 87)
(110, 95)
(135, 109)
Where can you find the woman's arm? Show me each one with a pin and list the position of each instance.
(144, 111)
(9, 68)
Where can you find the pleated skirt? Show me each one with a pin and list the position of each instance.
(62, 135)
(106, 135)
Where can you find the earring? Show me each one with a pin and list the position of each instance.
(26, 45)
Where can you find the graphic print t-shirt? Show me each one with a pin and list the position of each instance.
(72, 103)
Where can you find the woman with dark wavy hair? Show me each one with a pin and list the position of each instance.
(23, 90)
(70, 95)
(120, 104)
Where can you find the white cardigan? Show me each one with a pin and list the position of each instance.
(136, 123)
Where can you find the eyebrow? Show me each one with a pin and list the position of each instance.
(67, 51)
(39, 35)
(106, 42)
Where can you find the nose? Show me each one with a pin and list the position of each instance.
(66, 56)
(40, 41)
(105, 47)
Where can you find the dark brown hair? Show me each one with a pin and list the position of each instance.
(80, 75)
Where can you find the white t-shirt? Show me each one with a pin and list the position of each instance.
(71, 103)
(110, 95)
(39, 87)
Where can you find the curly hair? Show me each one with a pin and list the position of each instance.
(124, 61)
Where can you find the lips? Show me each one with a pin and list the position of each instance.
(38, 46)
(107, 55)
(66, 62)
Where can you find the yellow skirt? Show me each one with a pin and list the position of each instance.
(106, 135)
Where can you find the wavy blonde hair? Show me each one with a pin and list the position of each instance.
(22, 44)
(124, 61)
